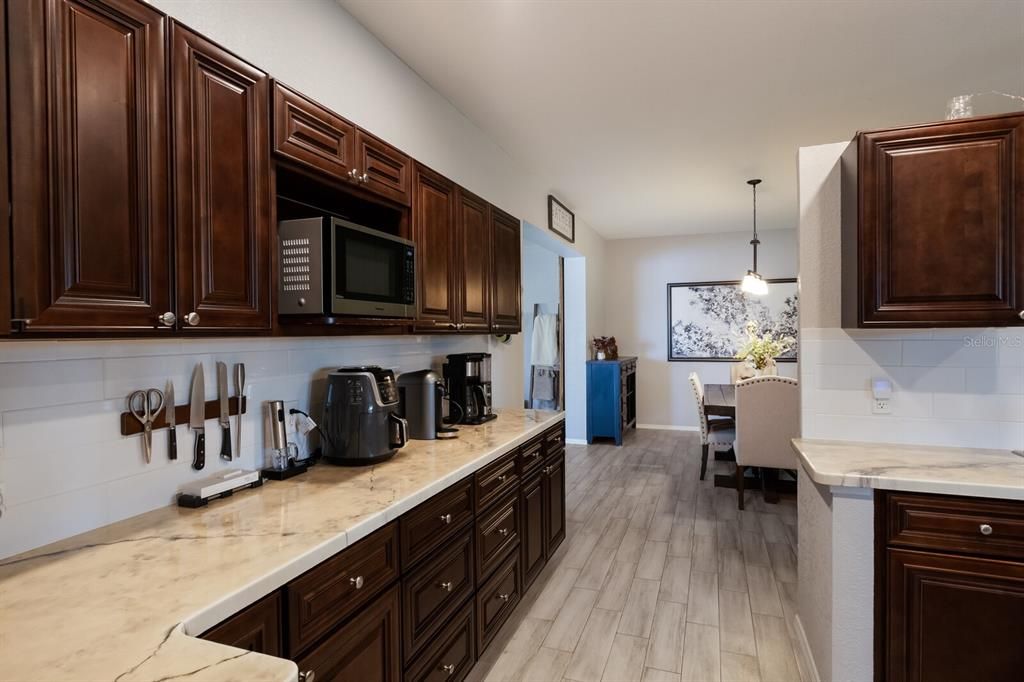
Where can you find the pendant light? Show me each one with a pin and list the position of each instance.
(754, 283)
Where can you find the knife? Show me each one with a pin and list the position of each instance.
(172, 445)
(197, 416)
(224, 419)
(239, 391)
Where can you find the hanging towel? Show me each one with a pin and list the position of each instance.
(545, 341)
(545, 384)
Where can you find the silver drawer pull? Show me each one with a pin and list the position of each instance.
(357, 582)
(504, 597)
(985, 529)
(446, 586)
(307, 676)
(448, 669)
(502, 478)
(446, 518)
(503, 532)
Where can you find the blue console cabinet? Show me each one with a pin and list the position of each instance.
(611, 398)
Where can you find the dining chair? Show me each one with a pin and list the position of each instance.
(767, 419)
(713, 434)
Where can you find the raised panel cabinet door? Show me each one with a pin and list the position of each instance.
(953, 618)
(311, 135)
(89, 185)
(222, 190)
(473, 242)
(433, 222)
(382, 168)
(941, 224)
(256, 628)
(366, 649)
(554, 496)
(531, 547)
(506, 284)
(5, 225)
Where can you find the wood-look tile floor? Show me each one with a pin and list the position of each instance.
(661, 577)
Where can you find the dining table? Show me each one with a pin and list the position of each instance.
(720, 400)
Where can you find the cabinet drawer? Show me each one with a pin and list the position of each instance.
(957, 524)
(496, 600)
(311, 135)
(434, 591)
(531, 456)
(388, 172)
(451, 655)
(495, 480)
(554, 439)
(497, 533)
(326, 595)
(434, 522)
(256, 628)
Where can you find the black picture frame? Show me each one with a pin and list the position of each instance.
(571, 238)
(718, 283)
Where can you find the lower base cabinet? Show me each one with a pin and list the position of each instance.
(418, 600)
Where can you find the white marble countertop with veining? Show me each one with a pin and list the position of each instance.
(973, 472)
(123, 602)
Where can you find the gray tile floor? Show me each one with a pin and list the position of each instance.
(661, 577)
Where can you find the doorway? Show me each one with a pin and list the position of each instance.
(543, 327)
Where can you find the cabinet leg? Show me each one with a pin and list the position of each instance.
(703, 460)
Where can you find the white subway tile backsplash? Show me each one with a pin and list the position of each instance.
(30, 384)
(969, 351)
(984, 407)
(875, 353)
(999, 380)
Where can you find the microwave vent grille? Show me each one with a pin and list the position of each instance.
(295, 264)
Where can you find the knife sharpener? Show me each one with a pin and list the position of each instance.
(224, 484)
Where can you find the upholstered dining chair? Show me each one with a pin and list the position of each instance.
(713, 433)
(767, 419)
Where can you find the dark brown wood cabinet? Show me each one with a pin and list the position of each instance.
(554, 498)
(89, 149)
(451, 655)
(5, 225)
(532, 542)
(433, 523)
(433, 228)
(496, 599)
(506, 277)
(255, 628)
(497, 535)
(222, 192)
(949, 588)
(933, 225)
(473, 267)
(312, 135)
(382, 168)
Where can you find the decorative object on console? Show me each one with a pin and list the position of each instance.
(561, 220)
(753, 283)
(707, 320)
(605, 348)
(760, 351)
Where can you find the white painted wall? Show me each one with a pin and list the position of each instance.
(65, 467)
(636, 303)
(540, 286)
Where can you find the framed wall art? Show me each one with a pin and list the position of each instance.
(561, 220)
(707, 320)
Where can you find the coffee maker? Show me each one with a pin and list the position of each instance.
(360, 420)
(468, 376)
(420, 394)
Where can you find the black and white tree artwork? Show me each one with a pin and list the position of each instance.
(707, 320)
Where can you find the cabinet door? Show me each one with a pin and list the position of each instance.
(366, 649)
(506, 285)
(433, 218)
(89, 165)
(531, 547)
(953, 618)
(256, 628)
(5, 225)
(309, 134)
(941, 225)
(554, 496)
(473, 241)
(222, 191)
(382, 168)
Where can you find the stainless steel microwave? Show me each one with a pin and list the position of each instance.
(330, 266)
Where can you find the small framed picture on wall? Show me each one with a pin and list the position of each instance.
(561, 220)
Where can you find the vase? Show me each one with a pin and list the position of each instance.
(599, 355)
(770, 370)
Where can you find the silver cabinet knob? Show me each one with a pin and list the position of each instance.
(307, 676)
(546, 470)
(504, 597)
(168, 319)
(1021, 314)
(356, 582)
(503, 532)
(364, 178)
(192, 319)
(354, 174)
(446, 586)
(448, 669)
(985, 529)
(446, 519)
(502, 478)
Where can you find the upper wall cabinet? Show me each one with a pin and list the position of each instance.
(433, 230)
(89, 173)
(222, 191)
(5, 225)
(933, 225)
(506, 280)
(309, 134)
(473, 266)
(383, 169)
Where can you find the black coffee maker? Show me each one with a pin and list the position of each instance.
(468, 376)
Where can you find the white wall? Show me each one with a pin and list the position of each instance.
(636, 304)
(65, 467)
(540, 286)
(957, 387)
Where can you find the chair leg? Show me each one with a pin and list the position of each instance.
(740, 470)
(703, 460)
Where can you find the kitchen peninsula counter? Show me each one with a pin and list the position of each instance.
(125, 602)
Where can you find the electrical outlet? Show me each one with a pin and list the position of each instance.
(881, 406)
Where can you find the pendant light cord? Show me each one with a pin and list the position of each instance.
(755, 241)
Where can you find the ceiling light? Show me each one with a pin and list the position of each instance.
(753, 283)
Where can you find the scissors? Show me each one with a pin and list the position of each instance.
(145, 406)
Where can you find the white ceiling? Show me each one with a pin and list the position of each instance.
(648, 117)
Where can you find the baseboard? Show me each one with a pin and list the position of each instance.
(803, 651)
(576, 441)
(667, 427)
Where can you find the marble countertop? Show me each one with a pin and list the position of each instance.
(972, 472)
(121, 603)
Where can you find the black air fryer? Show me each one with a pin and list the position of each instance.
(360, 420)
(468, 376)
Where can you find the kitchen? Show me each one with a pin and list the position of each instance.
(189, 182)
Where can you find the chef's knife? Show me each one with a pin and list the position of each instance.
(224, 419)
(172, 444)
(239, 391)
(197, 416)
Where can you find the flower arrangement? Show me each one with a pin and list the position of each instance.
(606, 348)
(761, 351)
